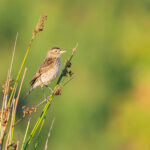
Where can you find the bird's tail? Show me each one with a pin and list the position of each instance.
(28, 92)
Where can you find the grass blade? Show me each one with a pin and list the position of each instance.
(35, 146)
(25, 136)
(38, 122)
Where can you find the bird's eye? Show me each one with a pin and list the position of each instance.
(56, 51)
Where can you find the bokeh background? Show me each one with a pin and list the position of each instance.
(107, 105)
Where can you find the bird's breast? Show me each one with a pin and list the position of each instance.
(52, 73)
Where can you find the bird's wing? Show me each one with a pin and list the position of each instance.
(47, 64)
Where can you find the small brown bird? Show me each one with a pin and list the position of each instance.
(48, 70)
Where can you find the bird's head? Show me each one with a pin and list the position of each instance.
(55, 52)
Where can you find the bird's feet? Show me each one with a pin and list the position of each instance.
(46, 100)
(49, 88)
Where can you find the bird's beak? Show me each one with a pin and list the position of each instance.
(62, 51)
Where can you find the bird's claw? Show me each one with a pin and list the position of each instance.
(49, 88)
(46, 100)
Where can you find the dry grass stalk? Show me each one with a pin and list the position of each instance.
(36, 30)
(17, 145)
(39, 26)
(74, 49)
(3, 128)
(49, 134)
(5, 97)
(9, 78)
(9, 138)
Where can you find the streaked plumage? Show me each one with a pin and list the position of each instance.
(48, 70)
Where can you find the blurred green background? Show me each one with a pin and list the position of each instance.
(107, 105)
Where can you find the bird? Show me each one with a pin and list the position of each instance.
(48, 70)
